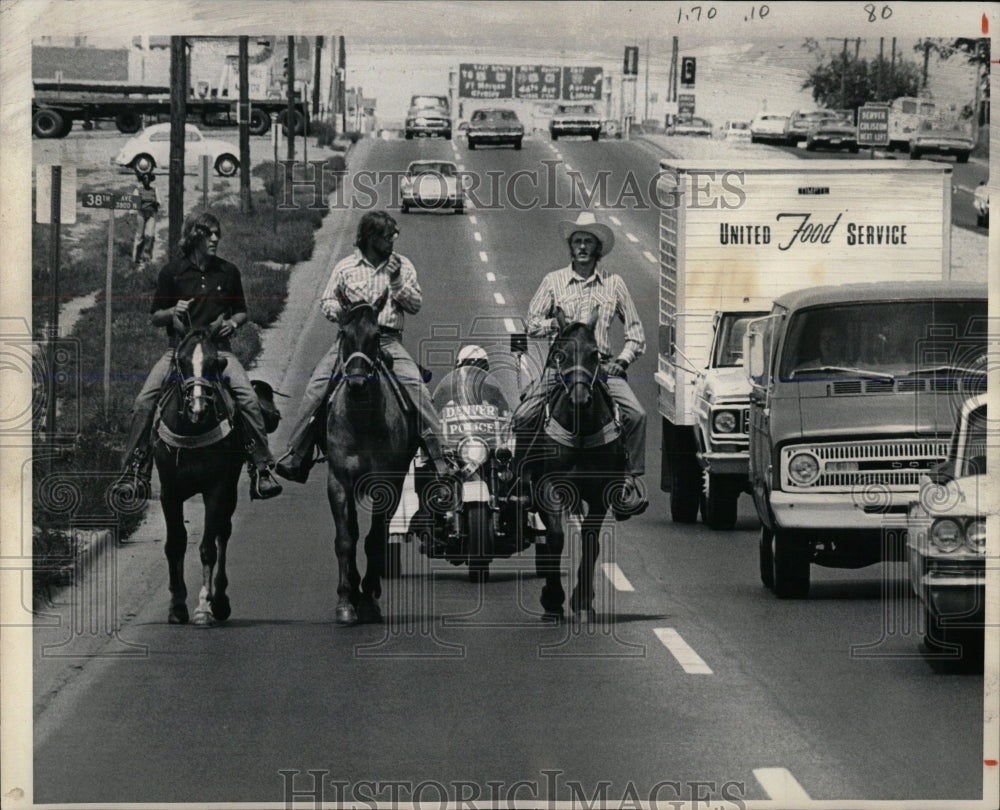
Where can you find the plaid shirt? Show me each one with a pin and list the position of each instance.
(578, 297)
(359, 280)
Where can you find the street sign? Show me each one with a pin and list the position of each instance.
(106, 199)
(873, 125)
(582, 83)
(685, 105)
(537, 81)
(631, 61)
(485, 81)
(687, 70)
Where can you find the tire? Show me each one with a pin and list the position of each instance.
(721, 500)
(753, 139)
(394, 560)
(479, 531)
(854, 149)
(404, 209)
(298, 119)
(47, 124)
(472, 144)
(143, 162)
(260, 122)
(685, 493)
(555, 136)
(68, 127)
(810, 147)
(409, 135)
(965, 643)
(517, 144)
(914, 154)
(128, 122)
(595, 136)
(962, 158)
(227, 165)
(790, 565)
(447, 135)
(766, 558)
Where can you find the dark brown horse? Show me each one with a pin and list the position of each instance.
(582, 463)
(198, 451)
(370, 442)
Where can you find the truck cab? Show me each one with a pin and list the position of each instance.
(853, 394)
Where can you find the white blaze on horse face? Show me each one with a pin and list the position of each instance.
(197, 365)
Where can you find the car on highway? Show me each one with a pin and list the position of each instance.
(834, 133)
(946, 537)
(495, 126)
(768, 127)
(941, 141)
(691, 126)
(150, 149)
(575, 119)
(736, 131)
(798, 124)
(432, 185)
(981, 201)
(427, 116)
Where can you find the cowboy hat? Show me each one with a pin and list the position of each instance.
(588, 223)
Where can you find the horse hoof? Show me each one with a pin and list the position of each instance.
(346, 614)
(369, 612)
(178, 614)
(203, 618)
(220, 608)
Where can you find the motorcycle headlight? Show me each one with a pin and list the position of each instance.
(803, 469)
(975, 536)
(946, 535)
(473, 451)
(724, 422)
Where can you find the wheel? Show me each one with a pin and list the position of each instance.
(128, 122)
(409, 135)
(260, 122)
(753, 139)
(472, 144)
(479, 531)
(447, 135)
(685, 491)
(766, 558)
(914, 153)
(143, 163)
(68, 126)
(394, 559)
(810, 147)
(962, 158)
(595, 135)
(517, 144)
(227, 165)
(719, 507)
(47, 124)
(790, 566)
(555, 136)
(854, 150)
(298, 118)
(964, 642)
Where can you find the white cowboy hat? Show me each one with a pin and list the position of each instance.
(588, 223)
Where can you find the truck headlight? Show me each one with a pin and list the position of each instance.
(473, 451)
(975, 535)
(946, 535)
(724, 422)
(803, 469)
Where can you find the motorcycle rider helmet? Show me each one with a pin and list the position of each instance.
(473, 355)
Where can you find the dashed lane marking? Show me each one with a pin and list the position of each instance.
(509, 325)
(499, 299)
(491, 276)
(649, 256)
(483, 257)
(477, 236)
(679, 648)
(631, 238)
(616, 221)
(780, 786)
(617, 578)
(472, 220)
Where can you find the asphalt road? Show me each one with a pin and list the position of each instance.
(694, 674)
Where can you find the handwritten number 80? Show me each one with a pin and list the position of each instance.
(871, 8)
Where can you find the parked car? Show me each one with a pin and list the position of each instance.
(151, 149)
(428, 115)
(575, 119)
(941, 141)
(495, 126)
(833, 134)
(946, 538)
(432, 185)
(691, 126)
(768, 127)
(981, 200)
(799, 123)
(738, 131)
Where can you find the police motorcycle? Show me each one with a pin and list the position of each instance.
(479, 519)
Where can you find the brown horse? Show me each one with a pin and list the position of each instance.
(582, 462)
(198, 451)
(370, 441)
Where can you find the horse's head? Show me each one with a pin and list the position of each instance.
(359, 340)
(200, 368)
(574, 359)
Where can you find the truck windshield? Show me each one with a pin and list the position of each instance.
(885, 340)
(729, 338)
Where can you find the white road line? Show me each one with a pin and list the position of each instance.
(780, 786)
(499, 299)
(567, 167)
(686, 657)
(617, 578)
(616, 221)
(483, 257)
(491, 276)
(472, 220)
(631, 238)
(477, 236)
(649, 256)
(509, 325)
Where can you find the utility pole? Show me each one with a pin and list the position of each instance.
(178, 117)
(291, 114)
(645, 112)
(843, 72)
(892, 68)
(881, 60)
(672, 80)
(244, 116)
(317, 76)
(342, 73)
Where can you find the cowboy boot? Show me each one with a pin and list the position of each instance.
(135, 481)
(263, 485)
(294, 467)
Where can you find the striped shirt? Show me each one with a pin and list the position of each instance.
(359, 280)
(578, 297)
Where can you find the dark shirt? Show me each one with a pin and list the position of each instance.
(216, 291)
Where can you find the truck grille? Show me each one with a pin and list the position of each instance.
(894, 464)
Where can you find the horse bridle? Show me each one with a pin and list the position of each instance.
(562, 376)
(193, 389)
(370, 363)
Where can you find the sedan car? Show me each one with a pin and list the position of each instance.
(691, 126)
(575, 119)
(833, 134)
(946, 538)
(151, 149)
(799, 123)
(432, 185)
(737, 131)
(768, 127)
(495, 126)
(941, 141)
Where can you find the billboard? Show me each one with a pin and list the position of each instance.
(582, 83)
(538, 82)
(485, 81)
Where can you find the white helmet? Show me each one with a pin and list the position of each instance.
(472, 355)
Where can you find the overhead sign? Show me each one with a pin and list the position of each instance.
(485, 81)
(582, 83)
(537, 81)
(105, 199)
(873, 125)
(685, 105)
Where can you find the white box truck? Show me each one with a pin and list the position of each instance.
(733, 238)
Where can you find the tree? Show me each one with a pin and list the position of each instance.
(845, 83)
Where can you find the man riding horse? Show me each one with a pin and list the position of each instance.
(372, 269)
(198, 290)
(579, 290)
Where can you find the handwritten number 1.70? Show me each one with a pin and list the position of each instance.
(695, 11)
(871, 8)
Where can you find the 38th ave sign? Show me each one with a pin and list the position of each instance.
(106, 199)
